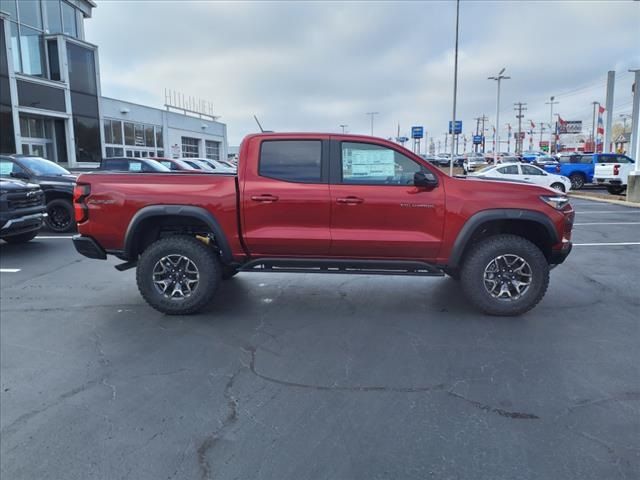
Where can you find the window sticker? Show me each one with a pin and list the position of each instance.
(135, 166)
(368, 163)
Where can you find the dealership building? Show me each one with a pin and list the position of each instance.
(51, 104)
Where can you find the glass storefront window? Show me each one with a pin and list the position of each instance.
(29, 13)
(159, 137)
(116, 130)
(108, 138)
(9, 6)
(82, 69)
(54, 17)
(32, 51)
(87, 136)
(139, 135)
(69, 20)
(148, 135)
(15, 47)
(54, 61)
(129, 134)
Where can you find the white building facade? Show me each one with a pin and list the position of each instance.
(51, 103)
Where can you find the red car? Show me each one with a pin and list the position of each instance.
(322, 203)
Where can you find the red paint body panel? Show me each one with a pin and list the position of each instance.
(302, 220)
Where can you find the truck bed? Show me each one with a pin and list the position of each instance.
(117, 197)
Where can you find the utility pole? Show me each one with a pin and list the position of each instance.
(509, 138)
(611, 80)
(593, 127)
(498, 78)
(372, 114)
(551, 103)
(343, 126)
(520, 107)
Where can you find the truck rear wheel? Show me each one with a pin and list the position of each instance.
(178, 275)
(505, 275)
(577, 181)
(616, 189)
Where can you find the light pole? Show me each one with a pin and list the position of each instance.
(372, 114)
(455, 89)
(343, 126)
(498, 79)
(551, 103)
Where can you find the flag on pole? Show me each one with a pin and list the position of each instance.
(533, 125)
(600, 129)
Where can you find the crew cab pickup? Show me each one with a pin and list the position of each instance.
(22, 210)
(322, 203)
(579, 167)
(613, 172)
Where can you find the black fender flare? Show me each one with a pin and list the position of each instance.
(177, 210)
(484, 216)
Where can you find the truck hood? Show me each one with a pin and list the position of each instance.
(15, 185)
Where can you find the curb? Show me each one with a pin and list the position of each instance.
(624, 203)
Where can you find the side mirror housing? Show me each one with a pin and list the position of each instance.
(20, 175)
(425, 179)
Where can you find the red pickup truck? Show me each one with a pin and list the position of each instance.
(323, 203)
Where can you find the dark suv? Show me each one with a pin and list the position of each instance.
(56, 182)
(22, 210)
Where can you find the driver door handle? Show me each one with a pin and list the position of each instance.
(350, 200)
(264, 198)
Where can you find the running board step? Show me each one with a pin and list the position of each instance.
(352, 267)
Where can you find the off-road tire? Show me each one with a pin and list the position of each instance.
(577, 181)
(65, 207)
(21, 238)
(616, 190)
(482, 253)
(205, 259)
(558, 186)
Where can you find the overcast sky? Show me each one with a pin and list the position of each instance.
(304, 66)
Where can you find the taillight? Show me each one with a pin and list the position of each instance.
(80, 192)
(616, 169)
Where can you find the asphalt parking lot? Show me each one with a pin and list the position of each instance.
(341, 377)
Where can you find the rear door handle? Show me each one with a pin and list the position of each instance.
(265, 198)
(350, 200)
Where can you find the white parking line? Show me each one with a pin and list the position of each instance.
(619, 244)
(608, 211)
(9, 270)
(608, 223)
(44, 237)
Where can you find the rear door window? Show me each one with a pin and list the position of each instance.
(586, 158)
(291, 160)
(509, 170)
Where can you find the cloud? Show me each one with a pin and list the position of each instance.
(311, 66)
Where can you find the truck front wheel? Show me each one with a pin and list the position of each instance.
(505, 275)
(178, 275)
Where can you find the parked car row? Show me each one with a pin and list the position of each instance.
(36, 191)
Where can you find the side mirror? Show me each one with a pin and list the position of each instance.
(20, 175)
(425, 179)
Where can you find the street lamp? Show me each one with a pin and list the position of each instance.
(343, 126)
(498, 79)
(372, 114)
(455, 90)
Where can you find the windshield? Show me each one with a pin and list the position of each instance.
(40, 166)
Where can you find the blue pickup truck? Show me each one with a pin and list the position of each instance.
(578, 167)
